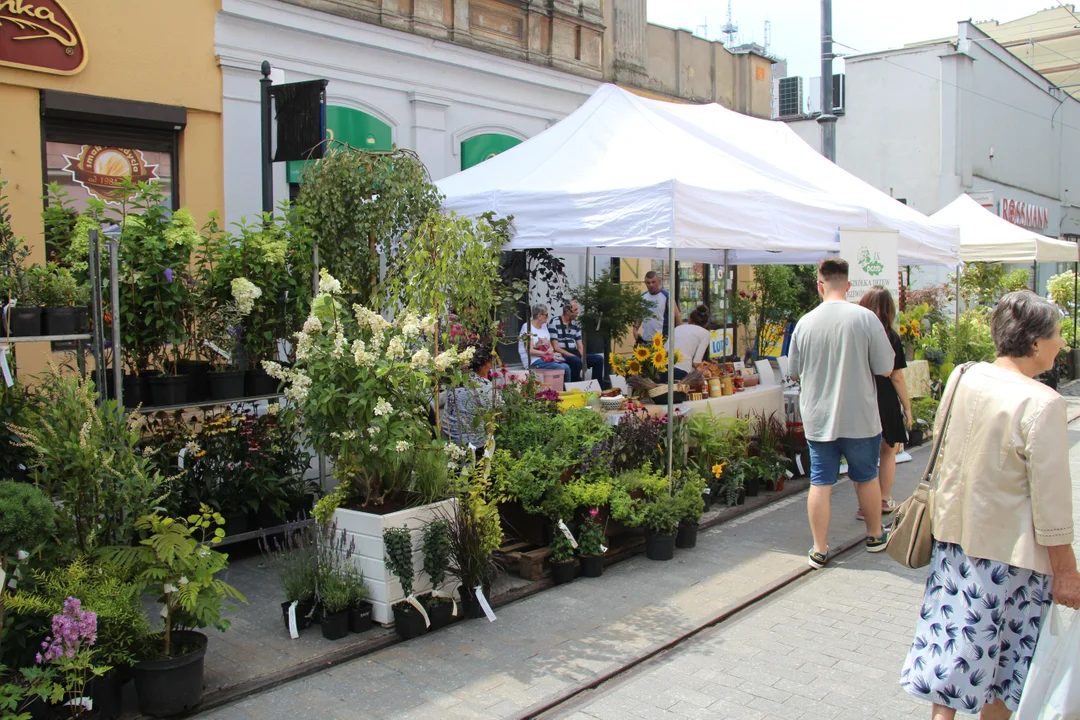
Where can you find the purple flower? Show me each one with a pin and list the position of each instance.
(168, 274)
(70, 629)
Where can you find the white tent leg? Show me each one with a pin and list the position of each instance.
(671, 369)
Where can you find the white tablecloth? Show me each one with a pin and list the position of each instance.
(768, 399)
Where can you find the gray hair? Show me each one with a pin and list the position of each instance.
(538, 310)
(1020, 319)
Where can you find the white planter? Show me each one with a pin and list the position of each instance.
(367, 530)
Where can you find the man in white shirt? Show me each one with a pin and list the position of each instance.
(657, 321)
(836, 349)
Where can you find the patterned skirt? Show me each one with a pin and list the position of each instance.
(977, 630)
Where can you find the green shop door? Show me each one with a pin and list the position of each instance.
(345, 125)
(478, 149)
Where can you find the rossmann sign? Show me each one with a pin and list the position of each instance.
(1025, 214)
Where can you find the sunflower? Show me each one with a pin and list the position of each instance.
(678, 355)
(658, 340)
(641, 353)
(660, 359)
(903, 330)
(633, 367)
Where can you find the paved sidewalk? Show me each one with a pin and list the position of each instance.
(829, 648)
(550, 644)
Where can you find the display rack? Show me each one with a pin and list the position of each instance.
(147, 409)
(263, 532)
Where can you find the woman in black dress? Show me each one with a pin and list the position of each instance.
(894, 405)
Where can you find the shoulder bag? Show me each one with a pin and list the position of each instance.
(911, 536)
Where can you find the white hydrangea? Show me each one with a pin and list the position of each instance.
(429, 324)
(245, 293)
(373, 448)
(304, 346)
(272, 409)
(467, 356)
(313, 325)
(395, 349)
(339, 345)
(275, 370)
(421, 359)
(402, 446)
(361, 356)
(327, 283)
(410, 326)
(298, 388)
(374, 430)
(382, 407)
(454, 451)
(444, 360)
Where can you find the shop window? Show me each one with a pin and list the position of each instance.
(482, 147)
(351, 127)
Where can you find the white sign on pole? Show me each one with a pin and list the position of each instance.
(872, 260)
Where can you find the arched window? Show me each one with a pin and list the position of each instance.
(477, 149)
(357, 128)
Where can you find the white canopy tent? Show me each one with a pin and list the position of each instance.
(625, 175)
(985, 237)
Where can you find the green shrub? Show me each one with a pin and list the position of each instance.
(924, 409)
(27, 518)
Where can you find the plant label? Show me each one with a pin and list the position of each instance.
(484, 603)
(293, 632)
(569, 535)
(788, 474)
(420, 609)
(8, 380)
(603, 548)
(217, 348)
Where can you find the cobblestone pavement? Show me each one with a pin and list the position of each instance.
(548, 645)
(829, 648)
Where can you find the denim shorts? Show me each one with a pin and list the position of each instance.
(862, 455)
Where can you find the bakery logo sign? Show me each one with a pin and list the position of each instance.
(104, 171)
(1025, 214)
(40, 35)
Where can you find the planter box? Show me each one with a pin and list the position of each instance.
(367, 530)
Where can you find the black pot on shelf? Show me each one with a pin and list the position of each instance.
(563, 572)
(336, 626)
(137, 388)
(61, 320)
(687, 536)
(24, 322)
(592, 566)
(752, 486)
(172, 686)
(107, 694)
(225, 384)
(360, 618)
(659, 547)
(198, 384)
(82, 319)
(168, 390)
(258, 383)
(408, 622)
(235, 523)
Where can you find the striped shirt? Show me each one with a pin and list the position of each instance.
(566, 334)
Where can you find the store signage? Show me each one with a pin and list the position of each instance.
(721, 344)
(104, 170)
(40, 35)
(872, 260)
(984, 198)
(1025, 214)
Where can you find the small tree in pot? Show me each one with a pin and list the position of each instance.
(591, 545)
(691, 508)
(437, 549)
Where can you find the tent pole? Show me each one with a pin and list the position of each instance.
(724, 324)
(958, 294)
(671, 371)
(584, 339)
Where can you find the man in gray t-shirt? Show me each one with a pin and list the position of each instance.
(836, 350)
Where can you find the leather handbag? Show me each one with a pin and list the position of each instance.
(911, 538)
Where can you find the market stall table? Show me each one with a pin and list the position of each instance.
(755, 400)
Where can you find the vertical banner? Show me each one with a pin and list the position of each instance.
(872, 259)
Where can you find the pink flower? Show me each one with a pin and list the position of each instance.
(594, 512)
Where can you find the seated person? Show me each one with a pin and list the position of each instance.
(565, 331)
(536, 348)
(462, 409)
(692, 338)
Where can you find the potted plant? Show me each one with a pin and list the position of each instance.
(563, 565)
(691, 507)
(177, 556)
(924, 411)
(436, 547)
(359, 607)
(409, 620)
(756, 472)
(27, 520)
(23, 318)
(335, 597)
(69, 649)
(643, 498)
(591, 545)
(475, 530)
(62, 298)
(294, 560)
(610, 309)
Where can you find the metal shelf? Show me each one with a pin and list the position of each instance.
(45, 338)
(256, 534)
(147, 409)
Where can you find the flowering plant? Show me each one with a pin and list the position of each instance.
(591, 535)
(646, 360)
(363, 386)
(909, 325)
(70, 650)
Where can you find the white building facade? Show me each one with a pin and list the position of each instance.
(929, 122)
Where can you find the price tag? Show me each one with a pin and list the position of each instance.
(216, 348)
(603, 548)
(569, 535)
(484, 603)
(420, 609)
(8, 379)
(788, 474)
(293, 632)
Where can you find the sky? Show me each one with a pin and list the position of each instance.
(863, 24)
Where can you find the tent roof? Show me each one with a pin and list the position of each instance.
(985, 237)
(625, 175)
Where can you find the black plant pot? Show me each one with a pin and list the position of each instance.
(137, 388)
(470, 607)
(741, 497)
(687, 536)
(408, 622)
(707, 498)
(563, 572)
(305, 610)
(659, 547)
(360, 618)
(173, 686)
(440, 613)
(226, 384)
(198, 384)
(916, 438)
(592, 566)
(753, 487)
(266, 517)
(106, 692)
(336, 626)
(24, 322)
(61, 320)
(257, 383)
(236, 523)
(168, 390)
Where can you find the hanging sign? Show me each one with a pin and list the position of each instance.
(40, 35)
(103, 170)
(872, 260)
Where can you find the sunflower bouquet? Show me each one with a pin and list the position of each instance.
(647, 361)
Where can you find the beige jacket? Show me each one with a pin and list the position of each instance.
(1003, 490)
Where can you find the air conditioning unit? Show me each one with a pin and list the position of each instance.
(839, 89)
(791, 96)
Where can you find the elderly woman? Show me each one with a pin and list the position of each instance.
(536, 347)
(1002, 522)
(463, 409)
